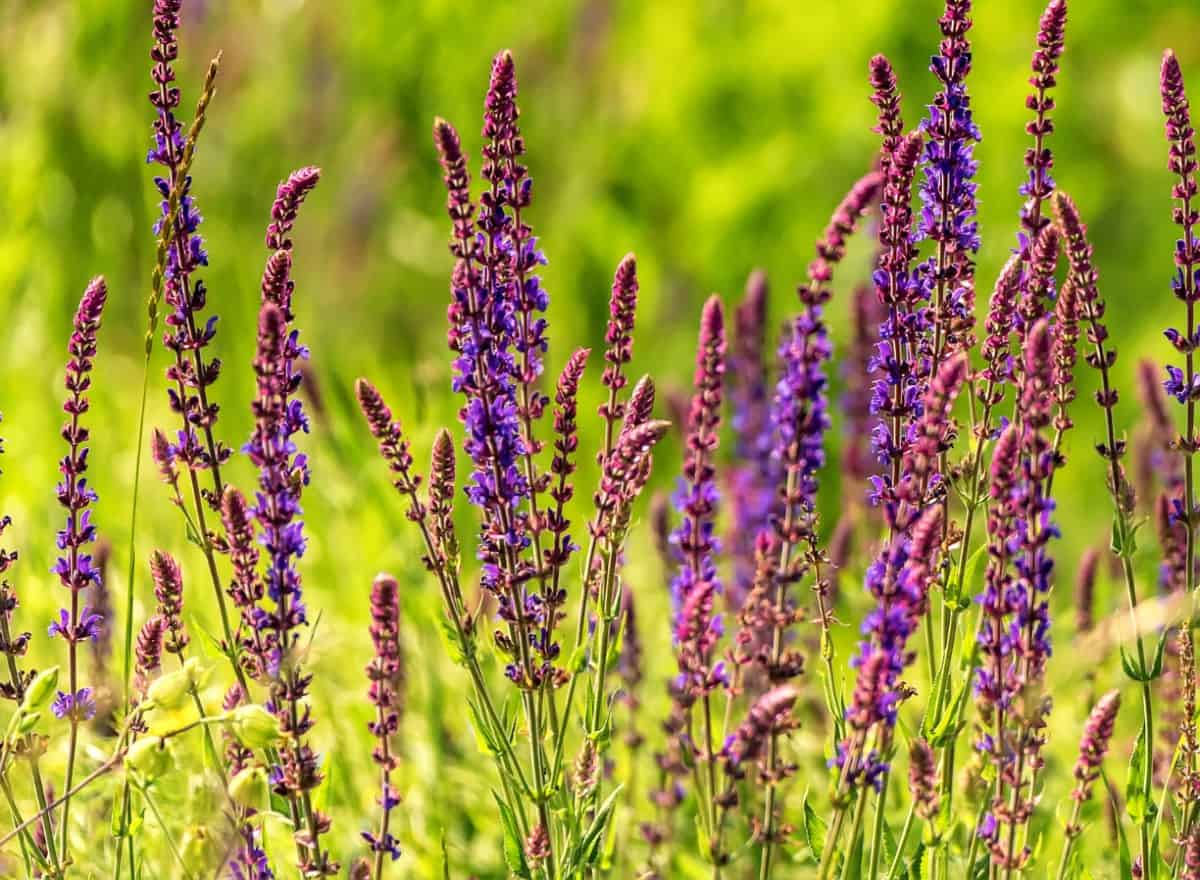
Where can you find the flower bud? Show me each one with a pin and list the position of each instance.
(196, 846)
(38, 694)
(249, 788)
(149, 757)
(168, 691)
(28, 722)
(254, 726)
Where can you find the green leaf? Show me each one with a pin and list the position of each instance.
(970, 573)
(484, 736)
(813, 827)
(451, 641)
(589, 843)
(916, 865)
(514, 849)
(1135, 798)
(445, 858)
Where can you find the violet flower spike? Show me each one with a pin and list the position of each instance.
(696, 581)
(13, 644)
(751, 486)
(899, 366)
(1039, 185)
(948, 191)
(282, 473)
(386, 674)
(168, 591)
(75, 568)
(186, 332)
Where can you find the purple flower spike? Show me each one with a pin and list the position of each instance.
(885, 95)
(923, 779)
(770, 716)
(168, 590)
(1093, 746)
(1183, 385)
(948, 191)
(696, 582)
(13, 644)
(282, 474)
(1039, 161)
(751, 486)
(897, 366)
(386, 674)
(187, 333)
(76, 569)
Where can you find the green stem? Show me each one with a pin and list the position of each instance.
(902, 841)
(171, 844)
(880, 821)
(856, 829)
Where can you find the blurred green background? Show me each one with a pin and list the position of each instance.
(709, 137)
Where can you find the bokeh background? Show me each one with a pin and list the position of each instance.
(710, 137)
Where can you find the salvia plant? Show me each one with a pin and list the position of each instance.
(868, 694)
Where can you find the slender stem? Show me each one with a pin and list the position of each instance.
(1070, 841)
(901, 842)
(133, 510)
(880, 821)
(171, 844)
(856, 828)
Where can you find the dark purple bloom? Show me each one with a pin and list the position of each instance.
(618, 337)
(885, 95)
(1183, 385)
(75, 568)
(282, 474)
(12, 644)
(1085, 590)
(751, 486)
(1097, 733)
(1039, 161)
(696, 583)
(168, 590)
(769, 716)
(249, 861)
(148, 652)
(923, 779)
(483, 335)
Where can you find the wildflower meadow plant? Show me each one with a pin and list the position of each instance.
(830, 642)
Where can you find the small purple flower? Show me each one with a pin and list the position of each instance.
(77, 707)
